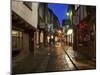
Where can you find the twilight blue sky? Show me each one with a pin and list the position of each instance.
(59, 10)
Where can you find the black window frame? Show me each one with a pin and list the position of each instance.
(28, 4)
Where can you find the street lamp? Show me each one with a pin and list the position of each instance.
(67, 14)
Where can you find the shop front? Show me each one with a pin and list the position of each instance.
(22, 35)
(87, 37)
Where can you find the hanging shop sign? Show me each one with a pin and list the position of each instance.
(42, 25)
(75, 19)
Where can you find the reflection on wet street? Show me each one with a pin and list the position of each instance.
(80, 61)
(53, 59)
(59, 61)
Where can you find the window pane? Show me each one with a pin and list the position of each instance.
(16, 40)
(14, 43)
(15, 33)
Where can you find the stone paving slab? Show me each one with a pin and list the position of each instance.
(80, 60)
(46, 60)
(31, 63)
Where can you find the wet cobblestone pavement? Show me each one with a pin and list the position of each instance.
(81, 61)
(51, 60)
(59, 61)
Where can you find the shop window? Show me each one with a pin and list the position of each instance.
(28, 4)
(16, 40)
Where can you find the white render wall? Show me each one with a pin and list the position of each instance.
(30, 16)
